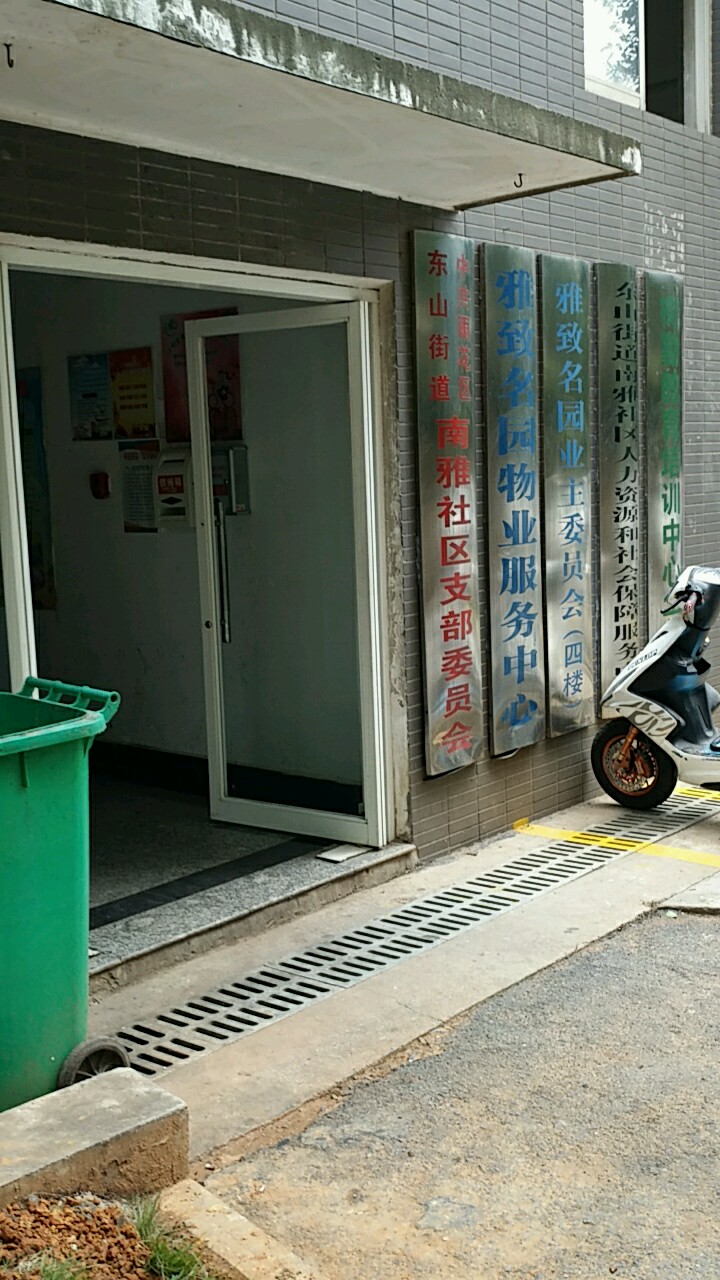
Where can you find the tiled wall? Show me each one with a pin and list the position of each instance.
(715, 63)
(503, 44)
(670, 219)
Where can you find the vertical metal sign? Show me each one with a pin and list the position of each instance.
(568, 502)
(514, 545)
(663, 416)
(618, 466)
(444, 358)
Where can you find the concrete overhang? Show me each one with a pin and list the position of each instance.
(209, 79)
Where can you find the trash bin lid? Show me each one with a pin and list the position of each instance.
(59, 713)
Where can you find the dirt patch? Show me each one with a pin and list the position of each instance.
(93, 1237)
(297, 1121)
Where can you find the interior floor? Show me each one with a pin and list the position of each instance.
(144, 838)
(160, 869)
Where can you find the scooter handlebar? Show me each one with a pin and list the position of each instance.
(689, 603)
(688, 597)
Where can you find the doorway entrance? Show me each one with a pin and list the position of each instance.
(244, 636)
(293, 729)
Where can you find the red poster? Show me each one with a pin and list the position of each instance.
(223, 379)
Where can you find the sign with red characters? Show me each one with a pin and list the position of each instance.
(445, 304)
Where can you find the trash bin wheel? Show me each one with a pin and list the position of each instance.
(92, 1058)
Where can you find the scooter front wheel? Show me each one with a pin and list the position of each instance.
(640, 777)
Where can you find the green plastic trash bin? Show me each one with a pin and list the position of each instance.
(45, 734)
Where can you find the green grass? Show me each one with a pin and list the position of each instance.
(169, 1257)
(145, 1217)
(45, 1268)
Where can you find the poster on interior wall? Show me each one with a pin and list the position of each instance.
(222, 358)
(138, 459)
(663, 417)
(618, 467)
(445, 298)
(132, 393)
(567, 489)
(90, 398)
(37, 489)
(515, 617)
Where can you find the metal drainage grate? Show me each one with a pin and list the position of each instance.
(264, 996)
(675, 814)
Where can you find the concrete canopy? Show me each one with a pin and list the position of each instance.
(210, 79)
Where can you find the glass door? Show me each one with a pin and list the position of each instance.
(288, 565)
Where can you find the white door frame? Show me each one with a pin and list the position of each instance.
(373, 827)
(13, 526)
(67, 257)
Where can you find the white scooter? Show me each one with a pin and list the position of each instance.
(663, 706)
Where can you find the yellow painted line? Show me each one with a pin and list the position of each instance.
(581, 838)
(699, 793)
(680, 855)
(577, 837)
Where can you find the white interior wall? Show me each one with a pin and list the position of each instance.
(128, 612)
(127, 604)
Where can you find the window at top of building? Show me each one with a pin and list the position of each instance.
(653, 54)
(612, 45)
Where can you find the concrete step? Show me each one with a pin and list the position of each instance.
(116, 1134)
(152, 941)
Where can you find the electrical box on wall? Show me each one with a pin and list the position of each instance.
(173, 490)
(230, 480)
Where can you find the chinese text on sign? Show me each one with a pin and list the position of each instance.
(663, 361)
(568, 501)
(619, 467)
(514, 542)
(444, 335)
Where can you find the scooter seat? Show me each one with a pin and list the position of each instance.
(715, 744)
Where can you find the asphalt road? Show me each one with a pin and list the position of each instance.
(566, 1130)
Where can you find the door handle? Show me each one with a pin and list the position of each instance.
(223, 572)
(231, 478)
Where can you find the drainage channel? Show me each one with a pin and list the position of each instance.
(267, 994)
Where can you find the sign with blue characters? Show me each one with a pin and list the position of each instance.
(568, 496)
(515, 618)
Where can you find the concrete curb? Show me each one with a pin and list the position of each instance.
(115, 1135)
(231, 1245)
(702, 898)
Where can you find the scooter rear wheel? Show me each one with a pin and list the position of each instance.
(645, 780)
